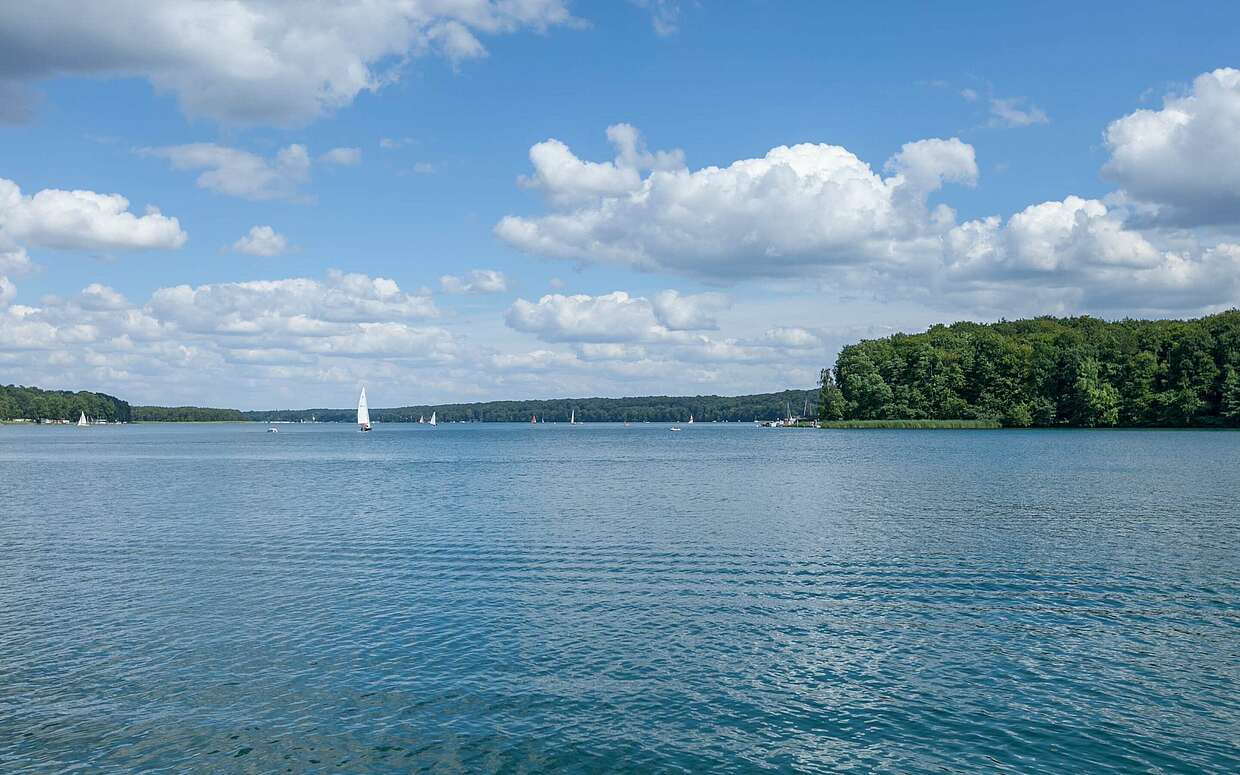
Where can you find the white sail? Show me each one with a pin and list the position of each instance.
(572, 418)
(690, 419)
(82, 420)
(433, 420)
(363, 412)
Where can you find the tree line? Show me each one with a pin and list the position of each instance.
(764, 406)
(1046, 372)
(30, 403)
(185, 414)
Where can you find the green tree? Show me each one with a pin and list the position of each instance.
(831, 403)
(867, 393)
(1136, 388)
(1093, 401)
(1230, 403)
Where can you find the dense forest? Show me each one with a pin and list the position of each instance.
(185, 414)
(1046, 372)
(28, 403)
(765, 406)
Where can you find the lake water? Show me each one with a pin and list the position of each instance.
(606, 599)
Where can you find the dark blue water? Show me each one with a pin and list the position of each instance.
(603, 599)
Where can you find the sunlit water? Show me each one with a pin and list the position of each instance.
(602, 598)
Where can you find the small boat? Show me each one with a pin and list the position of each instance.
(690, 419)
(533, 419)
(674, 428)
(572, 418)
(421, 419)
(81, 423)
(273, 430)
(363, 412)
(433, 421)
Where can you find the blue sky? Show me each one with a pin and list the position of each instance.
(1064, 159)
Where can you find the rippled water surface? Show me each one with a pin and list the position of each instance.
(602, 598)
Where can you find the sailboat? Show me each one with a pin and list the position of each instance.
(533, 419)
(363, 412)
(82, 421)
(690, 419)
(572, 418)
(421, 419)
(433, 421)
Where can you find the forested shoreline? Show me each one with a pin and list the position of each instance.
(40, 405)
(186, 414)
(763, 406)
(1046, 372)
(30, 403)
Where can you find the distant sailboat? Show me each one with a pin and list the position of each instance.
(690, 419)
(421, 419)
(572, 418)
(433, 421)
(363, 412)
(82, 421)
(533, 419)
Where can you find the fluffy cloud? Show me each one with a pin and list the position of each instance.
(567, 180)
(98, 297)
(79, 220)
(255, 61)
(1185, 158)
(1076, 254)
(299, 306)
(695, 312)
(476, 281)
(291, 335)
(13, 259)
(612, 317)
(1052, 237)
(261, 241)
(240, 173)
(797, 209)
(817, 212)
(345, 157)
(620, 328)
(616, 316)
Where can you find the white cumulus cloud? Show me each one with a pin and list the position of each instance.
(255, 61)
(1076, 254)
(79, 220)
(567, 180)
(261, 241)
(688, 312)
(1184, 158)
(297, 306)
(800, 208)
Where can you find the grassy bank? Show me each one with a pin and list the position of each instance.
(916, 424)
